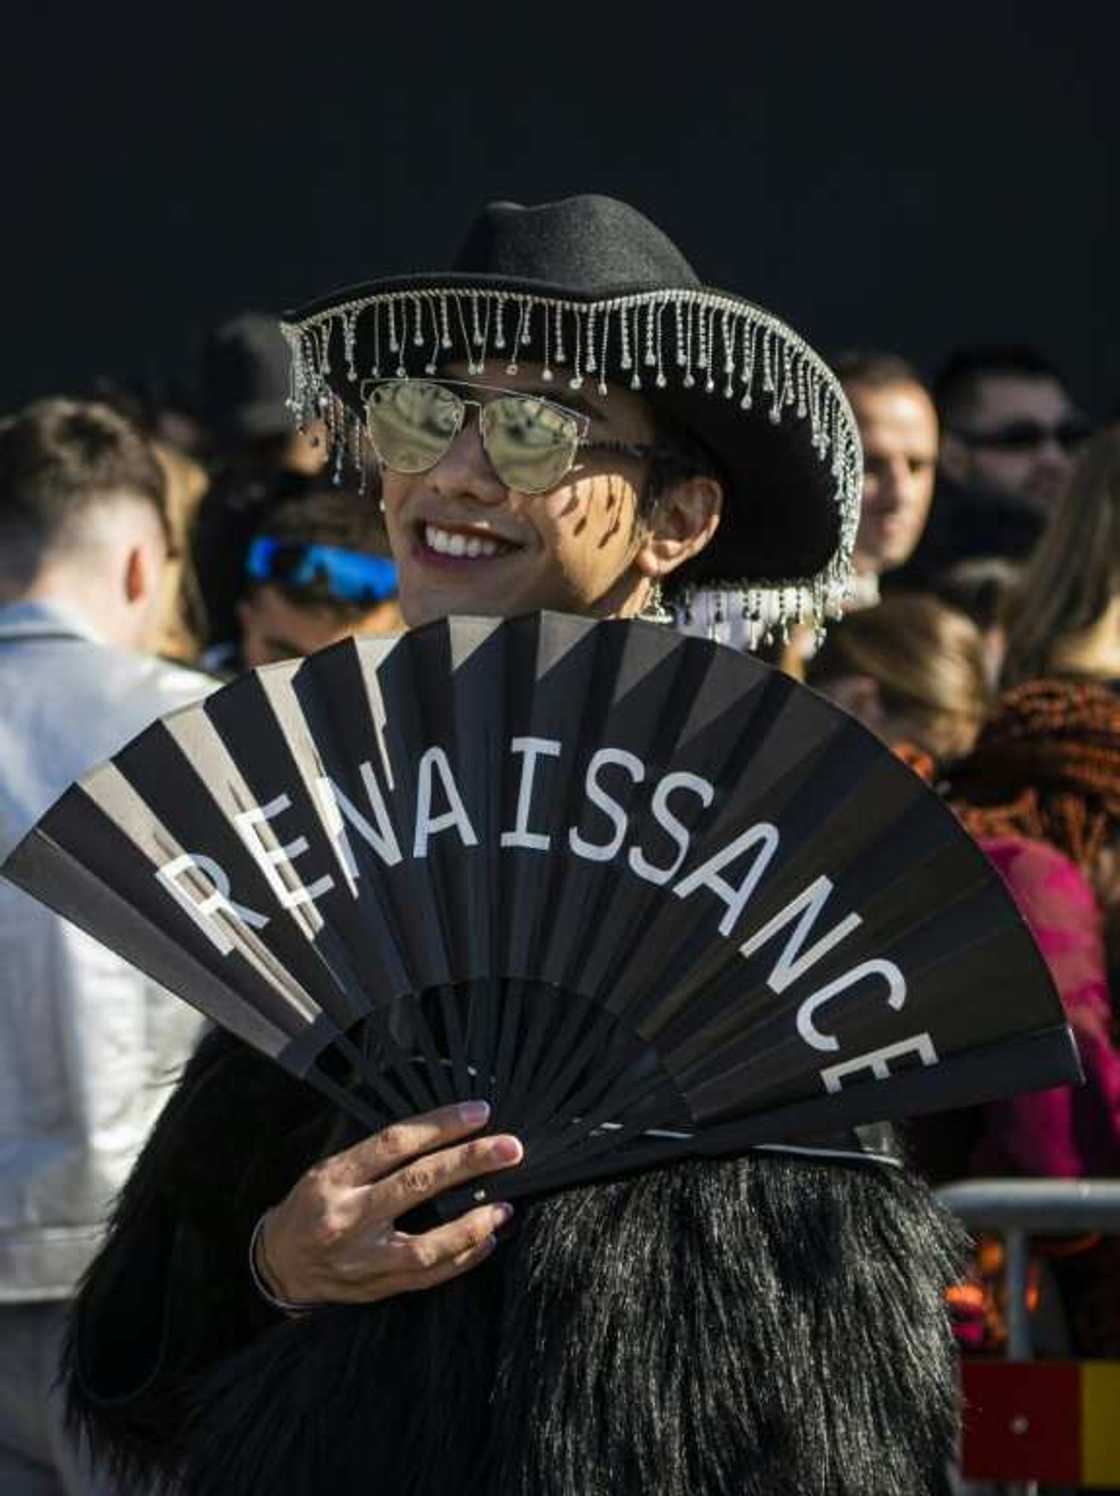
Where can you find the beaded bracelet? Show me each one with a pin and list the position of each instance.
(285, 1306)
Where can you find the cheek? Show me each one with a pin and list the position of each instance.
(246, 618)
(394, 490)
(597, 511)
(1007, 464)
(916, 493)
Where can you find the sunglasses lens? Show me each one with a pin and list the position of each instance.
(530, 444)
(412, 423)
(1027, 436)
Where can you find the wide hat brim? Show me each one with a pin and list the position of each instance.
(748, 387)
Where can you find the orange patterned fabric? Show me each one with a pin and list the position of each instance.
(1047, 766)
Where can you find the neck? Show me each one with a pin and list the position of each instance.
(1092, 651)
(83, 597)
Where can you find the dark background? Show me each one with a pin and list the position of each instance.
(900, 175)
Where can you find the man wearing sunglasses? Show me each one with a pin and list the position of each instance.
(504, 494)
(313, 575)
(1010, 429)
(567, 419)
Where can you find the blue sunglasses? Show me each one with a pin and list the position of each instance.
(350, 576)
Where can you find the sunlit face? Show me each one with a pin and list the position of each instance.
(898, 430)
(1033, 471)
(573, 548)
(274, 628)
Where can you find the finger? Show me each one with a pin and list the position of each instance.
(406, 1263)
(376, 1156)
(428, 1250)
(426, 1177)
(454, 1267)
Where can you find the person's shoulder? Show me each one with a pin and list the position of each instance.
(1025, 858)
(1052, 892)
(75, 702)
(136, 689)
(177, 682)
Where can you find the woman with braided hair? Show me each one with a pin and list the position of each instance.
(1047, 766)
(1041, 792)
(1048, 763)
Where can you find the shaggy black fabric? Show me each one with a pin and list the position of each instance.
(766, 1326)
(167, 1296)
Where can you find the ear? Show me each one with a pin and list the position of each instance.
(954, 458)
(686, 518)
(137, 579)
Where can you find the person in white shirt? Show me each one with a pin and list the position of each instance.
(88, 1045)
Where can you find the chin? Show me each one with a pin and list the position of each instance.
(429, 605)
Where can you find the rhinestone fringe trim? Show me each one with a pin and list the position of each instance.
(730, 349)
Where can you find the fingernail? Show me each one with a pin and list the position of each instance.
(505, 1149)
(474, 1112)
(503, 1212)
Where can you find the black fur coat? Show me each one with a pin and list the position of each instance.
(768, 1327)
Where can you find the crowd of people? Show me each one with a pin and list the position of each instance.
(148, 554)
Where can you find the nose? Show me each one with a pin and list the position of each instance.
(893, 482)
(1053, 454)
(464, 470)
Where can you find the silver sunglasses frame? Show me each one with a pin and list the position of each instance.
(583, 421)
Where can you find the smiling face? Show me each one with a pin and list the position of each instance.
(464, 543)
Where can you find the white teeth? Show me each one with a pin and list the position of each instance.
(453, 543)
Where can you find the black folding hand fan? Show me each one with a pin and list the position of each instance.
(646, 895)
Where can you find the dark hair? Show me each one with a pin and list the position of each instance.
(957, 385)
(325, 516)
(683, 456)
(1075, 571)
(59, 459)
(159, 410)
(875, 369)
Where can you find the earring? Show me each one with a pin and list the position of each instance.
(653, 609)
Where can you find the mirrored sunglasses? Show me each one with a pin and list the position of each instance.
(530, 442)
(1024, 436)
(349, 576)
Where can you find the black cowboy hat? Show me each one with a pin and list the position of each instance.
(590, 290)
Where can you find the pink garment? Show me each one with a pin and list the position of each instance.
(1068, 1131)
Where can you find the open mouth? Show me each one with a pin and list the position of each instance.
(460, 543)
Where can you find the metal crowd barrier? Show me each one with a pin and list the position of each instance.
(1051, 1419)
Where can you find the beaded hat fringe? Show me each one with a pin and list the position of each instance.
(727, 348)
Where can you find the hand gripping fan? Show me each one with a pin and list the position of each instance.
(646, 895)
